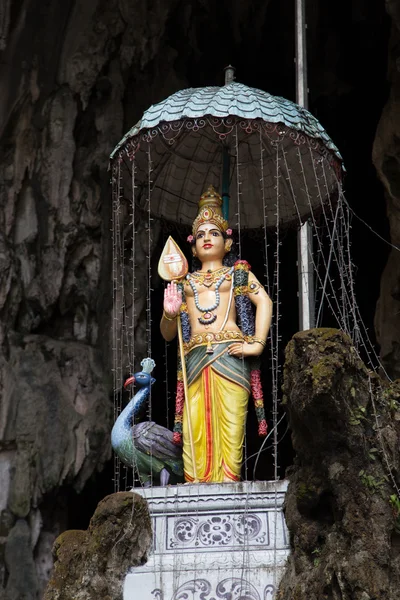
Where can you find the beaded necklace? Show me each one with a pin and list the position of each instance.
(208, 317)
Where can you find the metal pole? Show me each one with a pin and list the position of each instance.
(301, 55)
(225, 182)
(305, 246)
(306, 277)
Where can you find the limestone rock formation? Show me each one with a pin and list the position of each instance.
(55, 420)
(342, 510)
(92, 564)
(64, 70)
(386, 157)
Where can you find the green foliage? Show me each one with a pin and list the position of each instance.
(391, 397)
(395, 503)
(357, 415)
(305, 491)
(372, 453)
(374, 485)
(317, 557)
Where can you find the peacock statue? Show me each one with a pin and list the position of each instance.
(146, 446)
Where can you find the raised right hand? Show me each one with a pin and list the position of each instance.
(172, 300)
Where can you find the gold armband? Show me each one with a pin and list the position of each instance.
(168, 318)
(251, 339)
(254, 287)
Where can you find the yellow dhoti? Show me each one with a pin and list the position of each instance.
(218, 395)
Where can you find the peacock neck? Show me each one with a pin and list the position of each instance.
(123, 424)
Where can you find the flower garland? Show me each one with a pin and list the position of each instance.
(179, 402)
(246, 323)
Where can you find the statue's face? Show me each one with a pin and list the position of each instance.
(210, 244)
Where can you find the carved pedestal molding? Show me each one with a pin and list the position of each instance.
(213, 541)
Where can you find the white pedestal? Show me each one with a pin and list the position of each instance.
(213, 541)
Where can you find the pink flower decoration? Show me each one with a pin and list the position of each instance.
(190, 239)
(262, 428)
(229, 231)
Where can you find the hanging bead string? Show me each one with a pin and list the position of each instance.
(245, 560)
(348, 267)
(369, 348)
(238, 225)
(340, 263)
(277, 340)
(133, 292)
(123, 317)
(317, 266)
(344, 275)
(293, 194)
(245, 575)
(115, 192)
(350, 270)
(358, 319)
(338, 252)
(149, 220)
(133, 271)
(118, 314)
(121, 311)
(149, 290)
(271, 333)
(345, 271)
(332, 251)
(381, 441)
(166, 382)
(339, 309)
(264, 203)
(328, 297)
(327, 264)
(238, 192)
(338, 313)
(364, 336)
(270, 447)
(277, 311)
(370, 228)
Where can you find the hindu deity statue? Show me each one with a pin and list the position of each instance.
(225, 315)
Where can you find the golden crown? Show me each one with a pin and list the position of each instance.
(210, 211)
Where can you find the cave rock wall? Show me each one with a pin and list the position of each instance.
(64, 70)
(386, 157)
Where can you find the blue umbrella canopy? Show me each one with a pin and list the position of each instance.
(283, 164)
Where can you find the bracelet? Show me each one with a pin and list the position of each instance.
(259, 340)
(168, 318)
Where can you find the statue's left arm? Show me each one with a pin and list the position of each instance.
(263, 304)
